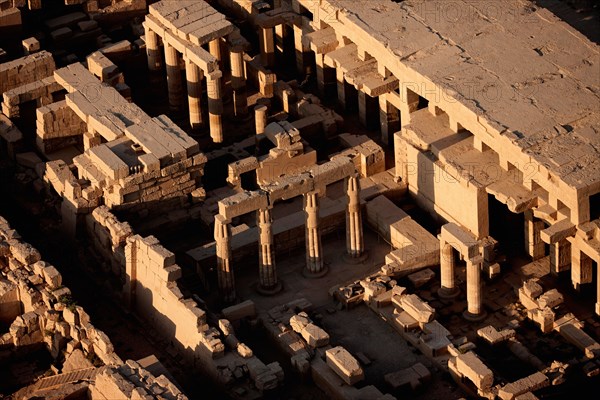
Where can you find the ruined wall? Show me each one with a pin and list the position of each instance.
(46, 312)
(131, 381)
(40, 91)
(26, 70)
(108, 237)
(151, 289)
(40, 311)
(58, 126)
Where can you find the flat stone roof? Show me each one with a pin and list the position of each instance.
(516, 65)
(192, 20)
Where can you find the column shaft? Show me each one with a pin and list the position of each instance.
(474, 301)
(314, 250)
(215, 106)
(448, 287)
(194, 90)
(152, 50)
(173, 76)
(214, 48)
(223, 251)
(354, 232)
(267, 270)
(261, 115)
(238, 83)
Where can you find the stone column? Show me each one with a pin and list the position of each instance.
(173, 76)
(152, 49)
(533, 242)
(261, 114)
(314, 250)
(215, 105)
(194, 77)
(238, 82)
(354, 232)
(223, 249)
(214, 48)
(267, 47)
(448, 288)
(560, 256)
(475, 311)
(267, 271)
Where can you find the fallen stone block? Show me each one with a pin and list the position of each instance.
(417, 308)
(315, 336)
(420, 278)
(493, 336)
(528, 384)
(470, 366)
(344, 365)
(551, 299)
(239, 311)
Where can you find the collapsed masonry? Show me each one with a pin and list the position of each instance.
(41, 312)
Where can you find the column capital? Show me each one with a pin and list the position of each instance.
(212, 76)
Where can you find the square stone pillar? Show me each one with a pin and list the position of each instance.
(301, 51)
(389, 117)
(173, 77)
(194, 76)
(533, 242)
(267, 47)
(560, 256)
(581, 269)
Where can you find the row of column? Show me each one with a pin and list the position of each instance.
(194, 77)
(315, 267)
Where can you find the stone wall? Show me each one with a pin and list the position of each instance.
(26, 70)
(58, 126)
(108, 237)
(40, 91)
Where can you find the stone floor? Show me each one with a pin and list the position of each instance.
(357, 329)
